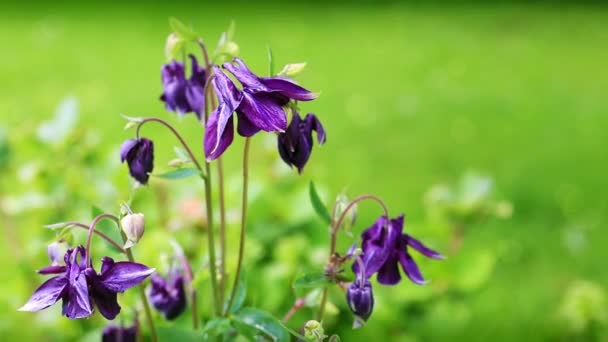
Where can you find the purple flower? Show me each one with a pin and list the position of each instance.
(385, 247)
(360, 300)
(183, 95)
(168, 296)
(295, 145)
(79, 286)
(139, 155)
(114, 333)
(258, 106)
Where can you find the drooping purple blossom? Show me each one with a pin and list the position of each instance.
(79, 286)
(139, 155)
(183, 95)
(385, 247)
(360, 299)
(258, 105)
(168, 295)
(115, 333)
(295, 145)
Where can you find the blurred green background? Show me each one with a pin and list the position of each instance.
(412, 96)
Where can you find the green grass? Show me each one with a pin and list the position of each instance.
(410, 96)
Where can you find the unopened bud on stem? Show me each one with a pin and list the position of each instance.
(133, 226)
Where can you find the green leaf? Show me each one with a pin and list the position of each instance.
(181, 154)
(270, 62)
(182, 30)
(311, 281)
(263, 322)
(241, 294)
(174, 333)
(180, 173)
(216, 327)
(318, 205)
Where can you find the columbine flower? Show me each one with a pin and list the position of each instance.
(295, 145)
(258, 106)
(114, 333)
(183, 95)
(139, 155)
(385, 247)
(168, 296)
(79, 286)
(360, 300)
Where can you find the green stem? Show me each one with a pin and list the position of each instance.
(175, 132)
(243, 223)
(144, 298)
(220, 181)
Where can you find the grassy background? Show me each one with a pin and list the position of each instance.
(412, 96)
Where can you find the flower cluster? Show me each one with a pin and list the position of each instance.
(183, 95)
(258, 105)
(168, 295)
(79, 286)
(384, 247)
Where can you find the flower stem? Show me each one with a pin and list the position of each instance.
(335, 227)
(100, 234)
(175, 132)
(243, 223)
(220, 181)
(144, 298)
(92, 230)
(189, 277)
(297, 305)
(211, 241)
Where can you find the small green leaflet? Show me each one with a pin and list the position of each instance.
(318, 205)
(180, 173)
(182, 30)
(311, 281)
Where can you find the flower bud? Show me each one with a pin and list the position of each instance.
(174, 46)
(133, 226)
(314, 330)
(360, 300)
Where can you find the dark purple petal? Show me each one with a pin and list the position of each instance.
(410, 268)
(360, 299)
(168, 297)
(314, 124)
(245, 128)
(106, 264)
(77, 303)
(139, 157)
(263, 111)
(52, 270)
(242, 73)
(199, 74)
(215, 144)
(46, 295)
(288, 88)
(388, 274)
(420, 247)
(113, 333)
(174, 88)
(105, 299)
(397, 224)
(195, 94)
(125, 148)
(123, 275)
(225, 89)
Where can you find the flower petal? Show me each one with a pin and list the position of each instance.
(125, 148)
(123, 275)
(410, 268)
(77, 303)
(242, 73)
(314, 124)
(105, 299)
(245, 128)
(52, 270)
(420, 247)
(389, 272)
(215, 144)
(288, 88)
(263, 111)
(46, 295)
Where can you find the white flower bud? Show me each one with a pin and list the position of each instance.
(133, 226)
